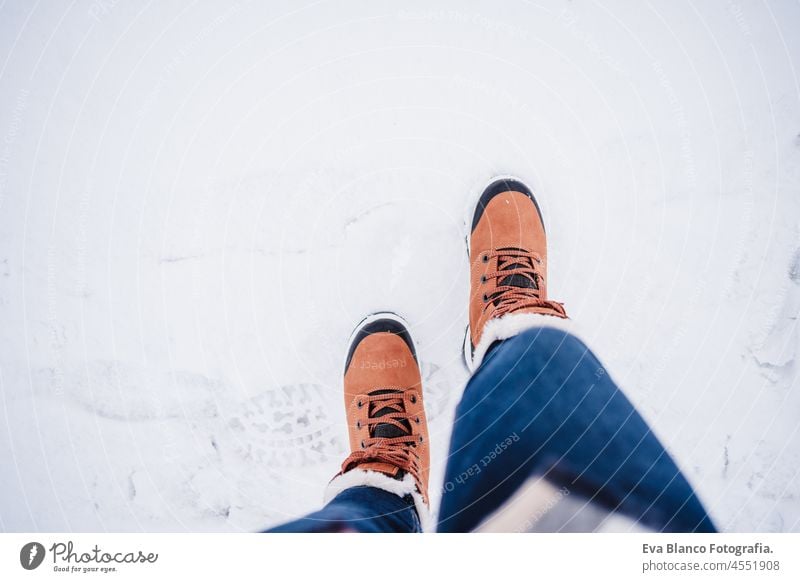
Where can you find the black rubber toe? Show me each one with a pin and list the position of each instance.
(498, 187)
(380, 326)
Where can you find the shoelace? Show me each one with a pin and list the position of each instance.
(396, 451)
(507, 298)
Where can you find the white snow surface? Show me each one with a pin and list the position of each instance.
(199, 201)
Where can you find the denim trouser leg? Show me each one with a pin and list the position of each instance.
(542, 404)
(360, 509)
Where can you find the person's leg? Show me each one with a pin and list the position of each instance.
(542, 406)
(359, 509)
(383, 484)
(540, 414)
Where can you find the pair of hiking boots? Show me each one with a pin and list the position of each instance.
(382, 384)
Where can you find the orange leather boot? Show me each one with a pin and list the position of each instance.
(508, 269)
(385, 414)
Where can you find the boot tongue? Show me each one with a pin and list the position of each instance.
(386, 430)
(517, 280)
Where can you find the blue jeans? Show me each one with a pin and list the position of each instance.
(540, 407)
(359, 509)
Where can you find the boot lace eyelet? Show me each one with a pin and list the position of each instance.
(358, 425)
(360, 404)
(363, 446)
(413, 399)
(485, 258)
(483, 279)
(485, 298)
(421, 439)
(417, 420)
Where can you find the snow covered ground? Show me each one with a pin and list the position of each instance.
(198, 201)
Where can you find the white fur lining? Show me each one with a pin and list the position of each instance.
(360, 477)
(508, 326)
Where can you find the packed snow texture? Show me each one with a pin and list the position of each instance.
(198, 201)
